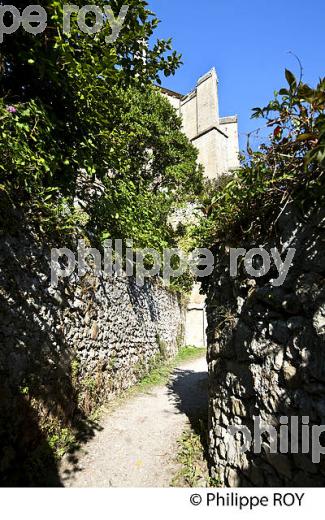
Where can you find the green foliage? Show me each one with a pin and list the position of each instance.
(191, 457)
(290, 167)
(75, 110)
(24, 390)
(75, 367)
(189, 352)
(152, 169)
(61, 441)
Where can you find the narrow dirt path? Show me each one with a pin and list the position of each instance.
(138, 443)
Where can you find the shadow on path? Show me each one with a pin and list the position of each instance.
(189, 392)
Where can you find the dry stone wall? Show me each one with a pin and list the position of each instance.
(266, 354)
(65, 350)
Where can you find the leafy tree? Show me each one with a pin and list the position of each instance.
(289, 167)
(71, 78)
(72, 103)
(153, 170)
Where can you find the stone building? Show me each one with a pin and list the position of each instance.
(216, 139)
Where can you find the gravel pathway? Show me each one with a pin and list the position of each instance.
(137, 445)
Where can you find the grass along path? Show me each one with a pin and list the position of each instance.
(137, 446)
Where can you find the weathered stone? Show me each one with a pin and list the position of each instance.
(73, 346)
(233, 479)
(271, 362)
(278, 360)
(319, 320)
(94, 330)
(279, 331)
(289, 371)
(238, 407)
(281, 463)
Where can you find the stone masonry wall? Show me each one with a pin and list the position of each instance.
(65, 350)
(266, 354)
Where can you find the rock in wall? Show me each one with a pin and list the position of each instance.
(65, 350)
(266, 354)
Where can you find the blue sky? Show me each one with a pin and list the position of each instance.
(249, 43)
